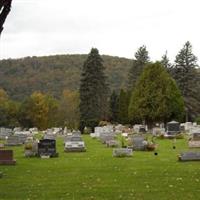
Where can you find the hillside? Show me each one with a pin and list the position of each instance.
(53, 74)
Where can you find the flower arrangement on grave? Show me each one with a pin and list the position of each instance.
(28, 146)
(180, 136)
(122, 141)
(151, 145)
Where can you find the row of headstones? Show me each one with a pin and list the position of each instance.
(173, 128)
(45, 148)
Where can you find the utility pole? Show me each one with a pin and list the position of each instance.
(5, 6)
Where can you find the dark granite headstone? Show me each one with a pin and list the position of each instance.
(142, 129)
(173, 128)
(6, 157)
(47, 147)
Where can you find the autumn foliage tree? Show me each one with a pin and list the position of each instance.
(38, 110)
(68, 110)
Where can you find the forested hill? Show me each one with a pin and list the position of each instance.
(53, 74)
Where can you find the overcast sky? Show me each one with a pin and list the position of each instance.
(115, 27)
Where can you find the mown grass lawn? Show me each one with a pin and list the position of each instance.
(95, 174)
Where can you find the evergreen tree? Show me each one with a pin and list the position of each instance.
(156, 97)
(93, 91)
(141, 59)
(165, 62)
(123, 107)
(114, 106)
(187, 78)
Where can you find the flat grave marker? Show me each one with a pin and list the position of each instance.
(122, 152)
(189, 156)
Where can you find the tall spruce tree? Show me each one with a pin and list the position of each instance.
(156, 97)
(114, 106)
(123, 107)
(187, 78)
(141, 59)
(93, 91)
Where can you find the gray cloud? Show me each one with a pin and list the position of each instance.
(116, 27)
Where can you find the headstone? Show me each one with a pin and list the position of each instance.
(189, 156)
(47, 147)
(158, 131)
(194, 144)
(196, 136)
(13, 140)
(50, 136)
(139, 143)
(140, 128)
(188, 126)
(17, 129)
(122, 152)
(21, 136)
(104, 137)
(65, 131)
(31, 149)
(195, 141)
(173, 128)
(2, 146)
(74, 143)
(5, 132)
(112, 143)
(6, 157)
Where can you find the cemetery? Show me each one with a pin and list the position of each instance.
(77, 126)
(100, 170)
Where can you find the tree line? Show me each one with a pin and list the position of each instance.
(153, 92)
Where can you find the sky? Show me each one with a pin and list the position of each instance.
(115, 27)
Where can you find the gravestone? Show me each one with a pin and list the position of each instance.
(112, 143)
(142, 129)
(196, 136)
(104, 137)
(47, 147)
(189, 156)
(158, 131)
(122, 152)
(22, 137)
(74, 143)
(5, 132)
(139, 143)
(2, 146)
(195, 142)
(13, 140)
(50, 136)
(31, 149)
(17, 129)
(6, 157)
(173, 128)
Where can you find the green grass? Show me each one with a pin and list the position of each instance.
(95, 174)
